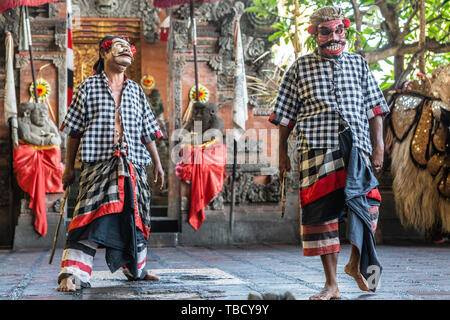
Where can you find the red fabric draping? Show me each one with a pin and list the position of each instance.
(38, 170)
(5, 5)
(205, 168)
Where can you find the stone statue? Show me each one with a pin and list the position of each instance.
(207, 114)
(162, 144)
(157, 105)
(35, 127)
(203, 162)
(154, 99)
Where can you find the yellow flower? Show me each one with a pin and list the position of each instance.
(147, 82)
(203, 94)
(43, 89)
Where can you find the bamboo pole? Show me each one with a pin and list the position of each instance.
(296, 39)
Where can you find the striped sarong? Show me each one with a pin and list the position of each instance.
(322, 198)
(112, 212)
(102, 192)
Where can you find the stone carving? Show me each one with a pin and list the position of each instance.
(206, 113)
(180, 34)
(57, 205)
(123, 9)
(106, 6)
(248, 191)
(223, 14)
(35, 127)
(154, 100)
(60, 41)
(9, 22)
(52, 10)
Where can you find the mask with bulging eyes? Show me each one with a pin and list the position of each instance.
(331, 38)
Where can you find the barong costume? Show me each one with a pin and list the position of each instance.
(113, 203)
(330, 113)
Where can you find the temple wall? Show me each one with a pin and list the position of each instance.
(171, 64)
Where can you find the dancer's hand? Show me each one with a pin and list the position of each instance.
(284, 164)
(68, 177)
(158, 174)
(377, 157)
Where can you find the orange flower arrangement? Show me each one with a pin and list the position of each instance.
(147, 82)
(43, 89)
(203, 94)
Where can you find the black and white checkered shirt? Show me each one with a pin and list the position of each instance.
(311, 99)
(91, 117)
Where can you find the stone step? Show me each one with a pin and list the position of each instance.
(158, 210)
(163, 239)
(164, 224)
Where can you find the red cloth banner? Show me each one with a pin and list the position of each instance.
(205, 168)
(38, 170)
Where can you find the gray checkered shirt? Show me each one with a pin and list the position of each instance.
(312, 100)
(91, 117)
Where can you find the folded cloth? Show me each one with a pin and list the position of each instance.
(204, 166)
(38, 170)
(361, 194)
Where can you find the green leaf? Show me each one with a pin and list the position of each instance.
(252, 9)
(275, 36)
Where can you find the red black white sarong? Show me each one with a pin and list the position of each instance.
(322, 198)
(112, 212)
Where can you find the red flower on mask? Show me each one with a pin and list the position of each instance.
(107, 45)
(346, 23)
(133, 49)
(312, 29)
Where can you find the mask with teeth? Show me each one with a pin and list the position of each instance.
(331, 38)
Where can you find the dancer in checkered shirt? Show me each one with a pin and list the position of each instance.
(336, 106)
(112, 125)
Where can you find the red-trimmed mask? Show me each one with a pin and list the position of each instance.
(331, 38)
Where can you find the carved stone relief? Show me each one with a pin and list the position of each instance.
(222, 14)
(255, 31)
(248, 191)
(120, 9)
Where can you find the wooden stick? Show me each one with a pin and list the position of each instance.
(61, 212)
(283, 194)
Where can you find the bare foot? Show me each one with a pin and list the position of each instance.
(149, 276)
(354, 272)
(327, 293)
(66, 285)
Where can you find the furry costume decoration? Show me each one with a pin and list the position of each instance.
(418, 142)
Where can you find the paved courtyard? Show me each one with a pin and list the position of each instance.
(204, 273)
